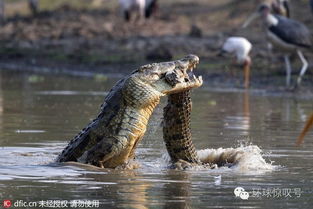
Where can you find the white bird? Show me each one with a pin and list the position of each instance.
(287, 35)
(133, 6)
(240, 48)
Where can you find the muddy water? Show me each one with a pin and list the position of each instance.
(40, 113)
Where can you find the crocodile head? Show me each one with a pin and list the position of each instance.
(170, 77)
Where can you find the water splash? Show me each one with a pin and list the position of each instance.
(242, 159)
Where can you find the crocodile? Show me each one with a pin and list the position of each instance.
(109, 141)
(178, 139)
(176, 128)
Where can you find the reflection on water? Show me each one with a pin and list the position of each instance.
(240, 122)
(177, 193)
(40, 113)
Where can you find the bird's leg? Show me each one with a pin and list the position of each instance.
(247, 72)
(288, 70)
(304, 67)
(127, 15)
(305, 130)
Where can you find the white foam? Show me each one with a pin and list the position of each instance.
(243, 158)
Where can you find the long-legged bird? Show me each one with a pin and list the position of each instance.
(240, 48)
(287, 35)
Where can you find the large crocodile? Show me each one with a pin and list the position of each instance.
(110, 140)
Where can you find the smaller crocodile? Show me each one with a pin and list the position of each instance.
(178, 139)
(176, 129)
(110, 140)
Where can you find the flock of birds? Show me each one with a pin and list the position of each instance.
(285, 34)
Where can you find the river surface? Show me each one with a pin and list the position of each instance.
(39, 114)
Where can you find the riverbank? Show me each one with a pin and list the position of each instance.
(95, 40)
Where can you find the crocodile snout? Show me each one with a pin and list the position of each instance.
(183, 72)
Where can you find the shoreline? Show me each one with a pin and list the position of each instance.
(212, 82)
(73, 40)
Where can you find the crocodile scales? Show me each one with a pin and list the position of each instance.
(178, 139)
(110, 140)
(176, 129)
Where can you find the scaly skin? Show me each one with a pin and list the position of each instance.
(178, 140)
(176, 130)
(110, 140)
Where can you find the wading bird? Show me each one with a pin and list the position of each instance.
(130, 7)
(240, 48)
(285, 34)
(306, 128)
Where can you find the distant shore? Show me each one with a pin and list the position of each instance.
(91, 41)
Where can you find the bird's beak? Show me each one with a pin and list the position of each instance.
(250, 19)
(221, 53)
(306, 128)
